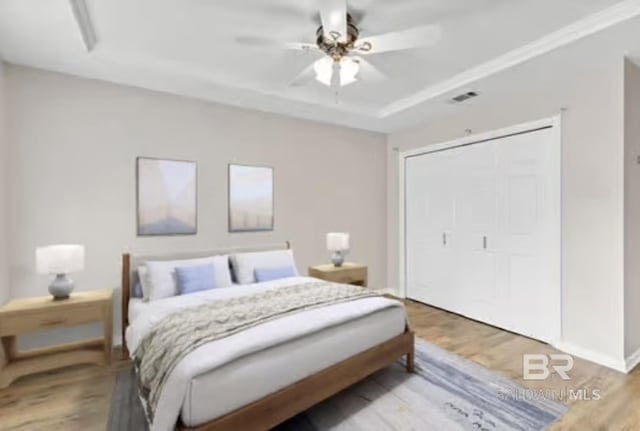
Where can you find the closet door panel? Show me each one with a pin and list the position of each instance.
(476, 226)
(416, 240)
(530, 176)
(430, 218)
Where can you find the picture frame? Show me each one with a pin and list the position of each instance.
(166, 197)
(250, 198)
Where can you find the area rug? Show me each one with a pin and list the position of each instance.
(447, 392)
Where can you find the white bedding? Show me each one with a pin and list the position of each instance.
(262, 347)
(137, 306)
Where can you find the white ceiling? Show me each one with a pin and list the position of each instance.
(189, 47)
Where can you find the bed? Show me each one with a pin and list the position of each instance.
(272, 371)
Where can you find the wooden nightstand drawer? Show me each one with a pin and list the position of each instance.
(49, 319)
(348, 277)
(349, 273)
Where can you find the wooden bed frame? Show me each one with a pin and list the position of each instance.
(276, 408)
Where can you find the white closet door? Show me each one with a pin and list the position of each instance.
(430, 221)
(476, 230)
(482, 232)
(529, 282)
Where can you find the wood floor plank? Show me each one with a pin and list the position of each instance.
(78, 398)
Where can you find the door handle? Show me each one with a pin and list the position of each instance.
(444, 239)
(484, 242)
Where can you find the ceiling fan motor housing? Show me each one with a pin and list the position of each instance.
(330, 45)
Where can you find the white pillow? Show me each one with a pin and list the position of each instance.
(145, 283)
(244, 264)
(162, 274)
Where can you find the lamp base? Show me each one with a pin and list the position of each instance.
(61, 287)
(337, 258)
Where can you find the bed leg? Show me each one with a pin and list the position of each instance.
(411, 356)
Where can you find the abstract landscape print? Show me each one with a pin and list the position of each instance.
(250, 198)
(167, 202)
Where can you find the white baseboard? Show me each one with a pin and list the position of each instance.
(592, 356)
(632, 361)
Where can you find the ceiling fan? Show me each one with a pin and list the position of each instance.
(338, 39)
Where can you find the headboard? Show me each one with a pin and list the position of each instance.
(130, 264)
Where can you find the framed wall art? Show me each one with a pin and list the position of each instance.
(250, 198)
(167, 197)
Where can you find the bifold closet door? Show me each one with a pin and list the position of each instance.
(530, 238)
(482, 232)
(477, 206)
(430, 222)
(451, 213)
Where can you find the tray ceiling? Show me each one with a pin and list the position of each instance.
(190, 47)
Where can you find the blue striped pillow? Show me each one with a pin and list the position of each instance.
(195, 278)
(268, 274)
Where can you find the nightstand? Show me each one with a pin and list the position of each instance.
(22, 316)
(348, 273)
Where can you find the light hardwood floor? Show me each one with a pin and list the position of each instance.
(78, 398)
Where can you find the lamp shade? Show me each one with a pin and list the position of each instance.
(60, 259)
(337, 241)
(324, 69)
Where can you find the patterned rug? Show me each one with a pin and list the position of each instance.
(447, 392)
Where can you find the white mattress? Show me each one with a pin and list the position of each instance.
(234, 371)
(250, 378)
(137, 306)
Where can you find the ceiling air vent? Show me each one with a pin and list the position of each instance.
(464, 97)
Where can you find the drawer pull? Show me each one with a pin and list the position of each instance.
(52, 322)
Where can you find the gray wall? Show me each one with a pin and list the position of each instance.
(4, 164)
(589, 83)
(631, 208)
(74, 143)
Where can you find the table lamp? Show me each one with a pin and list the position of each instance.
(338, 243)
(60, 260)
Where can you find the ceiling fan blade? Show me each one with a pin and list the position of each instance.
(333, 15)
(368, 72)
(398, 40)
(304, 77)
(265, 42)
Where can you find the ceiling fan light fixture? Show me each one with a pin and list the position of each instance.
(324, 70)
(349, 69)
